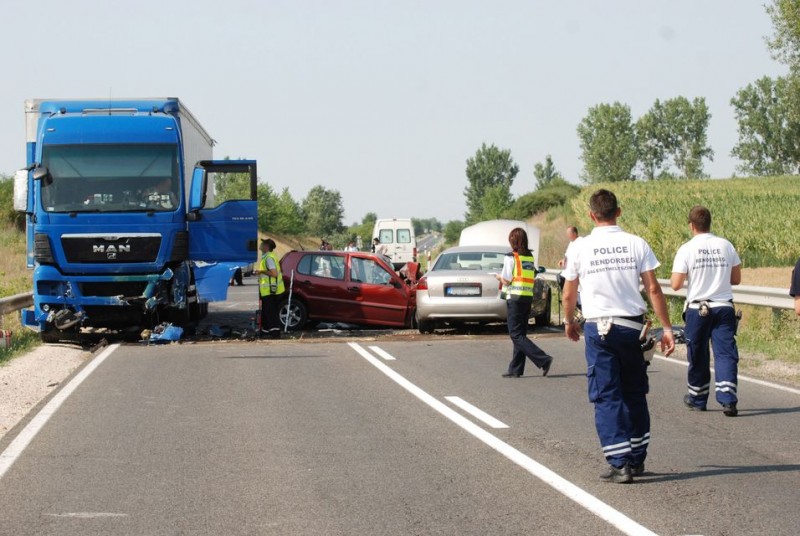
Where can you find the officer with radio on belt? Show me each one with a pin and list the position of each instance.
(609, 264)
(270, 289)
(711, 265)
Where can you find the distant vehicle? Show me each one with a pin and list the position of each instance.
(461, 286)
(397, 234)
(344, 286)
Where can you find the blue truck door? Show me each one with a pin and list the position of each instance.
(223, 223)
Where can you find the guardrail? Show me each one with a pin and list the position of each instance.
(776, 298)
(15, 303)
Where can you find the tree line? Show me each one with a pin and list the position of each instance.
(670, 141)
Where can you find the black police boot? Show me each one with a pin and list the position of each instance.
(621, 475)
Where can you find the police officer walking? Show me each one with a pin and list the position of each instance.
(270, 289)
(519, 271)
(609, 264)
(711, 265)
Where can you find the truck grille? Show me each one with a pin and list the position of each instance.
(100, 249)
(117, 288)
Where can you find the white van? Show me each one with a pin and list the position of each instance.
(396, 235)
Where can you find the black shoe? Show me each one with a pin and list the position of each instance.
(687, 400)
(618, 476)
(509, 375)
(730, 409)
(546, 367)
(637, 470)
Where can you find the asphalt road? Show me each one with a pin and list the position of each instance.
(328, 436)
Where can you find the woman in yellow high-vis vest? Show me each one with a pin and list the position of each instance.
(519, 271)
(270, 289)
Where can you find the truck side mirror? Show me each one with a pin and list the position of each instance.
(197, 191)
(21, 190)
(41, 173)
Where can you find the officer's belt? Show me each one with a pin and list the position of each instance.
(710, 304)
(618, 321)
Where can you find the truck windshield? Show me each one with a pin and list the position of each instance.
(111, 178)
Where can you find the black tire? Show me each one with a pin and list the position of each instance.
(544, 318)
(298, 315)
(426, 326)
(52, 335)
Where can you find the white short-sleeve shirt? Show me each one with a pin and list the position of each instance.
(608, 263)
(707, 261)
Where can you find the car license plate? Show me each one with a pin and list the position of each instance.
(462, 290)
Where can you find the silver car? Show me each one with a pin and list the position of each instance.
(462, 287)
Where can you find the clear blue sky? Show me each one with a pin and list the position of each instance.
(385, 101)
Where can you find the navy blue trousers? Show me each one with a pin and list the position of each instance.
(718, 327)
(618, 385)
(518, 313)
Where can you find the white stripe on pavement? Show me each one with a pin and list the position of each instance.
(740, 377)
(562, 485)
(475, 412)
(383, 353)
(15, 449)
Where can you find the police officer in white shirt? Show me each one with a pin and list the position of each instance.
(711, 265)
(609, 264)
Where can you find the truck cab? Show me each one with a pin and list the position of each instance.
(130, 221)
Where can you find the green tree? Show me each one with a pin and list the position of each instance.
(652, 140)
(490, 167)
(769, 129)
(369, 219)
(496, 202)
(785, 42)
(323, 211)
(288, 216)
(425, 225)
(556, 194)
(546, 173)
(608, 143)
(686, 126)
(266, 207)
(452, 231)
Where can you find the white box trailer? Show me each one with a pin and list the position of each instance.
(495, 233)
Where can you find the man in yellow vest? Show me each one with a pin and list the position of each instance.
(270, 289)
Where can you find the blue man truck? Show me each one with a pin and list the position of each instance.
(130, 221)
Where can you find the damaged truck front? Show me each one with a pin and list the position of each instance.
(130, 222)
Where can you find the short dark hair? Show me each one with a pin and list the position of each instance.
(603, 205)
(518, 240)
(270, 243)
(572, 229)
(700, 216)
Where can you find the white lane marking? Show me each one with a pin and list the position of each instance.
(740, 377)
(383, 353)
(87, 515)
(560, 484)
(475, 412)
(15, 449)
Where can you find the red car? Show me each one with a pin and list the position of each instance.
(344, 286)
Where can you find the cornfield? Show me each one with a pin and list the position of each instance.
(758, 215)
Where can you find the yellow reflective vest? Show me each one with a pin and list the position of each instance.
(523, 276)
(270, 285)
